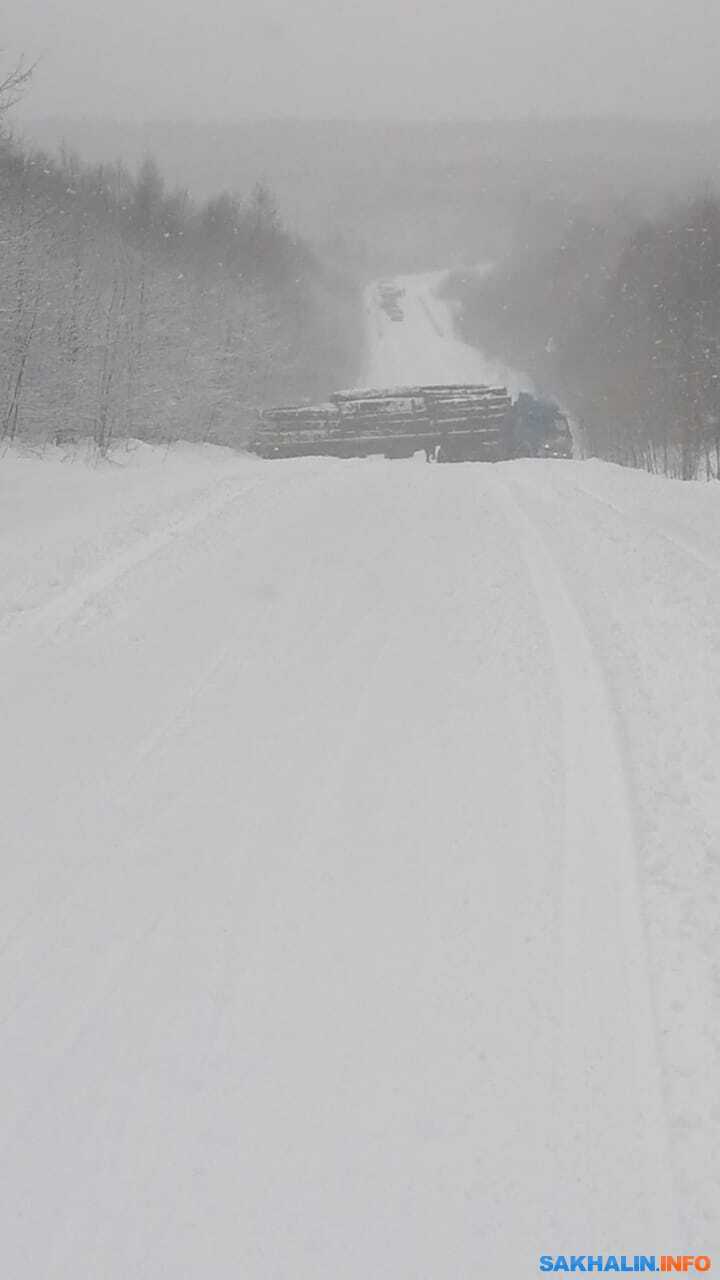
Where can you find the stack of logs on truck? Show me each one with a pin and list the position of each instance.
(451, 423)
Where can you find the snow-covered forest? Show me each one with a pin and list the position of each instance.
(128, 309)
(620, 317)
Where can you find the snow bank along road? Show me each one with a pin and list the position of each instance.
(359, 863)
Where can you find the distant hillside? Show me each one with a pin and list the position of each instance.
(411, 194)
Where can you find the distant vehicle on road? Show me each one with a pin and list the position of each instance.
(389, 295)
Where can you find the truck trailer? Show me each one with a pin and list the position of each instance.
(451, 422)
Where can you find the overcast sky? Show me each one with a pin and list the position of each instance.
(359, 58)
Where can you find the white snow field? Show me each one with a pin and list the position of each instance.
(360, 861)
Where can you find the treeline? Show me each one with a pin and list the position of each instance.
(128, 310)
(619, 318)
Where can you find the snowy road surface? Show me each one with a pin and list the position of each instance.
(360, 861)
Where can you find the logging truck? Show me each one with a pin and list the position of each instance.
(452, 422)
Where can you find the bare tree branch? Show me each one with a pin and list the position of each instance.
(13, 84)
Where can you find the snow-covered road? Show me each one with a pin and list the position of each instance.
(360, 861)
(423, 347)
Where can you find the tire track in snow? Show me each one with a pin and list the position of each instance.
(91, 869)
(435, 323)
(614, 1177)
(141, 901)
(651, 527)
(70, 601)
(178, 721)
